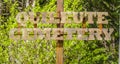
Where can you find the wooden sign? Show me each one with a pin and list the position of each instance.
(66, 17)
(55, 33)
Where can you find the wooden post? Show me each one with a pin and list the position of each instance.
(59, 44)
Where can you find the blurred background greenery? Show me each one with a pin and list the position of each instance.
(43, 51)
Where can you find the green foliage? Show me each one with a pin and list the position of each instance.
(43, 52)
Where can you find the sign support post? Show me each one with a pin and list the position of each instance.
(59, 44)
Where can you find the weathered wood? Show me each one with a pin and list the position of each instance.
(81, 34)
(59, 44)
(78, 17)
(26, 32)
(84, 23)
(63, 17)
(39, 34)
(22, 18)
(47, 33)
(94, 34)
(101, 18)
(108, 33)
(100, 27)
(44, 17)
(90, 17)
(66, 17)
(33, 17)
(69, 32)
(53, 19)
(57, 34)
(91, 35)
(12, 34)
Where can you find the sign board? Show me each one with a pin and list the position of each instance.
(67, 33)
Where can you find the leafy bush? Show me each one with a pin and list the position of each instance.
(42, 51)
